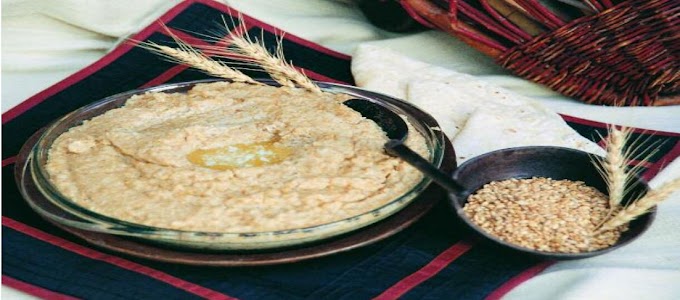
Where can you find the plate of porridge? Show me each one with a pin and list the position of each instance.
(222, 165)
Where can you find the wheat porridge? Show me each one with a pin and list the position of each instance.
(230, 157)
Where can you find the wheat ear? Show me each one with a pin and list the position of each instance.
(642, 205)
(195, 59)
(188, 55)
(275, 64)
(616, 168)
(615, 164)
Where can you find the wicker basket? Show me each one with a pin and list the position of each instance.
(622, 54)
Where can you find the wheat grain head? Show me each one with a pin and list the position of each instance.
(642, 205)
(190, 56)
(624, 159)
(254, 51)
(197, 60)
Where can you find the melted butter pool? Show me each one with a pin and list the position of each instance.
(239, 156)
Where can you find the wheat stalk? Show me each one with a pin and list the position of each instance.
(264, 59)
(188, 55)
(193, 58)
(253, 51)
(244, 50)
(274, 64)
(616, 168)
(641, 206)
(614, 165)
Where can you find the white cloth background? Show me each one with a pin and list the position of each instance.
(44, 41)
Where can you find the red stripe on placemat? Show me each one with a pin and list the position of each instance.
(662, 163)
(207, 48)
(590, 123)
(198, 43)
(597, 124)
(517, 280)
(165, 76)
(641, 163)
(193, 41)
(435, 266)
(8, 161)
(116, 261)
(320, 77)
(33, 289)
(270, 28)
(94, 67)
(603, 142)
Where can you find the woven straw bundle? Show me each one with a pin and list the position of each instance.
(608, 52)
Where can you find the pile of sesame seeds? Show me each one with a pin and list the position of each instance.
(543, 214)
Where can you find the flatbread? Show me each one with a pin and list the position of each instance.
(476, 115)
(460, 96)
(491, 129)
(385, 71)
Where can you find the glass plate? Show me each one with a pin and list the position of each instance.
(85, 219)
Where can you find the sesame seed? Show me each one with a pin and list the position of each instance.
(543, 214)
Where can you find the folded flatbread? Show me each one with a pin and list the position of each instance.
(476, 115)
